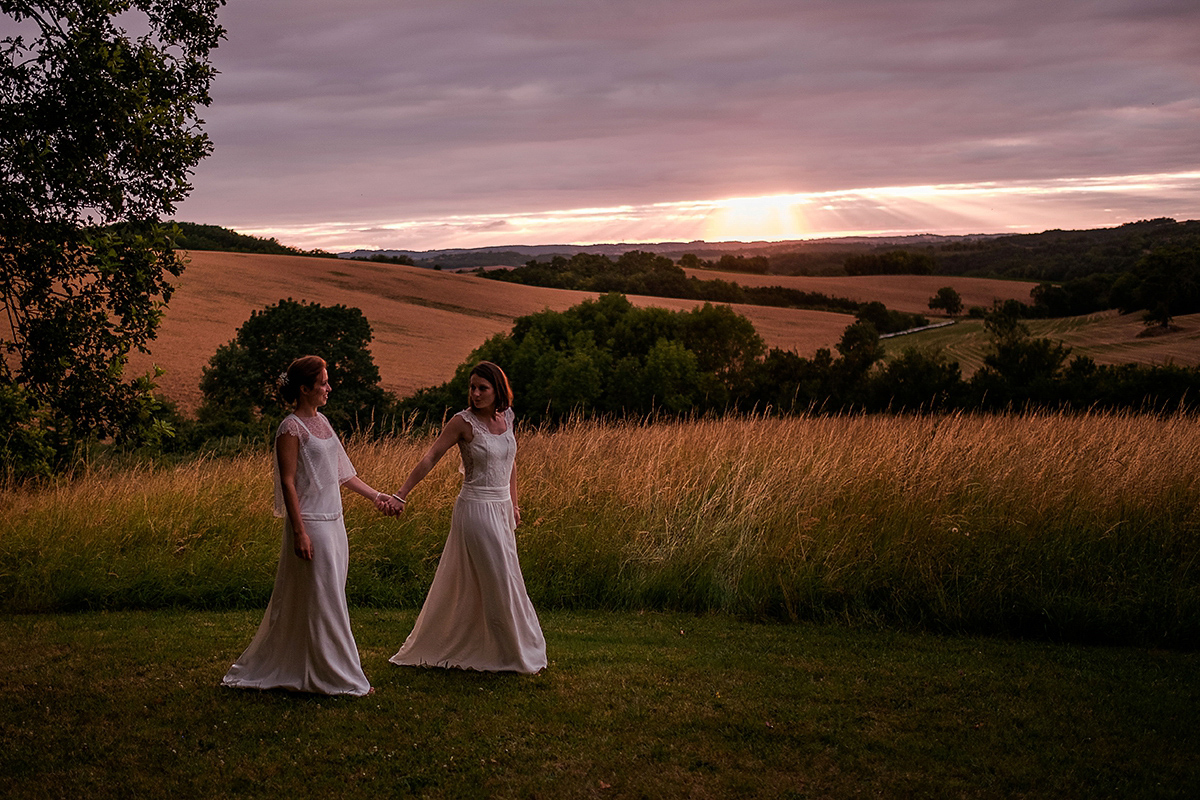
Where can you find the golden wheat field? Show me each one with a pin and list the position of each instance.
(909, 293)
(425, 322)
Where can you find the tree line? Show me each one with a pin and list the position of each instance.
(640, 273)
(607, 357)
(191, 236)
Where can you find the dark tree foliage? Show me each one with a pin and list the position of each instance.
(191, 236)
(239, 383)
(1167, 277)
(641, 273)
(98, 138)
(753, 264)
(819, 262)
(1020, 371)
(784, 382)
(947, 299)
(608, 357)
(885, 320)
(401, 260)
(1062, 256)
(916, 380)
(893, 262)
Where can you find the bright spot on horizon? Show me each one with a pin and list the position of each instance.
(945, 209)
(769, 218)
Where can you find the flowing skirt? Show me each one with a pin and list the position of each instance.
(477, 614)
(304, 642)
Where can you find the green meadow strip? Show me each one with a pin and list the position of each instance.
(1072, 527)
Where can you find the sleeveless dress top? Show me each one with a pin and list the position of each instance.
(477, 614)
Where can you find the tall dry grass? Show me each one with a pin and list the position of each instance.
(1082, 527)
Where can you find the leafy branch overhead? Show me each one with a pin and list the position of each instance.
(99, 134)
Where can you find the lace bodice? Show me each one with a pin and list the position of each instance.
(321, 468)
(487, 460)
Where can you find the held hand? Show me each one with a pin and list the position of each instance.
(303, 546)
(383, 506)
(396, 505)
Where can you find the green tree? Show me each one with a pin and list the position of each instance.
(98, 138)
(1019, 369)
(239, 383)
(1159, 316)
(606, 356)
(860, 350)
(948, 300)
(917, 380)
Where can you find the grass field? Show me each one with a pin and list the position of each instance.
(1082, 528)
(802, 607)
(118, 705)
(1107, 337)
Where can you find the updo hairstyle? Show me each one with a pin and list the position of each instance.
(499, 381)
(304, 371)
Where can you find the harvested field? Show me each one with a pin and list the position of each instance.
(1108, 337)
(426, 322)
(901, 292)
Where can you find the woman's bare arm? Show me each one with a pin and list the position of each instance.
(287, 451)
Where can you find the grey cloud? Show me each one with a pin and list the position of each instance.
(373, 110)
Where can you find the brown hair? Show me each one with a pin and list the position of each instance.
(304, 371)
(499, 381)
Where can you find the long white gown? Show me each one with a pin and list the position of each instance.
(477, 614)
(304, 642)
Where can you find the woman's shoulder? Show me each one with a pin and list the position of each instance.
(465, 421)
(291, 426)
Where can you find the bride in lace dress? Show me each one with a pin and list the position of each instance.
(477, 614)
(304, 642)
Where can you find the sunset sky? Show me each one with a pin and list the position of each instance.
(422, 124)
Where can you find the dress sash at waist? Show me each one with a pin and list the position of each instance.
(487, 494)
(320, 517)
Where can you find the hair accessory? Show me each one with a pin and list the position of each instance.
(283, 379)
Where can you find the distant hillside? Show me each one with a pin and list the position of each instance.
(1054, 255)
(518, 255)
(215, 238)
(1065, 255)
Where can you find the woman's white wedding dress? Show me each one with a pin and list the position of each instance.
(477, 614)
(304, 642)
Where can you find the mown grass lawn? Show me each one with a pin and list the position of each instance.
(127, 704)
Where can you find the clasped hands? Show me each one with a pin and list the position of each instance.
(389, 505)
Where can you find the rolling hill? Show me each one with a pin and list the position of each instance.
(426, 322)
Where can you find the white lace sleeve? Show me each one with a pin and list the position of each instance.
(346, 470)
(470, 419)
(509, 416)
(292, 427)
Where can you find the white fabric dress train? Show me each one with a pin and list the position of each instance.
(477, 614)
(304, 642)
